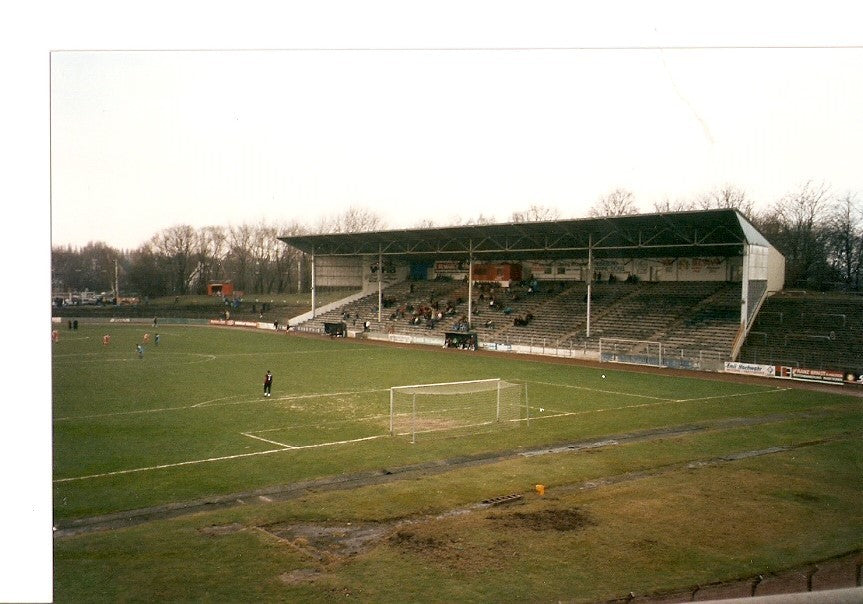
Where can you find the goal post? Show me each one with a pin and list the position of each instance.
(637, 352)
(469, 404)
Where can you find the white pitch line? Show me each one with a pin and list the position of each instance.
(318, 424)
(219, 402)
(603, 410)
(214, 400)
(658, 402)
(707, 398)
(272, 442)
(656, 398)
(296, 397)
(341, 442)
(283, 353)
(169, 465)
(116, 413)
(224, 458)
(140, 411)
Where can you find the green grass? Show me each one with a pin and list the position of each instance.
(175, 426)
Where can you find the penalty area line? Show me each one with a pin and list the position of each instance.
(603, 409)
(754, 393)
(632, 394)
(317, 445)
(272, 442)
(284, 448)
(168, 465)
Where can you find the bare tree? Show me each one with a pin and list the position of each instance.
(177, 245)
(727, 196)
(353, 220)
(425, 223)
(846, 240)
(481, 219)
(290, 263)
(536, 213)
(796, 226)
(666, 205)
(457, 220)
(619, 202)
(239, 255)
(149, 272)
(210, 250)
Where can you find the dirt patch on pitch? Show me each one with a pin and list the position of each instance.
(218, 530)
(545, 520)
(328, 542)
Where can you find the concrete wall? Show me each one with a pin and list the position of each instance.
(646, 269)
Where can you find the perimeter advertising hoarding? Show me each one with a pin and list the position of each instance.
(750, 369)
(825, 375)
(796, 373)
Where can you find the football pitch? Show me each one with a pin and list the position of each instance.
(187, 421)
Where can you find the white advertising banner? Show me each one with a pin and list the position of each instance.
(750, 369)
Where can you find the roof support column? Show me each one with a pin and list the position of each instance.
(313, 285)
(744, 288)
(589, 280)
(470, 287)
(380, 282)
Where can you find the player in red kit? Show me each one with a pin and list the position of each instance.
(268, 383)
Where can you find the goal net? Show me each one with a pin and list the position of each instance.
(639, 352)
(467, 405)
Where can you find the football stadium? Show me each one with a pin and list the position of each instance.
(628, 408)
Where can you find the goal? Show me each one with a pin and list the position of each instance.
(638, 352)
(423, 408)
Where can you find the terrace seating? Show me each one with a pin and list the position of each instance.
(811, 330)
(689, 315)
(684, 316)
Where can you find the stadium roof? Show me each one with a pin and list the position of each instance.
(677, 234)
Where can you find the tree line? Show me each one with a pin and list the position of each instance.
(819, 233)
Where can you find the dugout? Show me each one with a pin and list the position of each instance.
(460, 339)
(336, 330)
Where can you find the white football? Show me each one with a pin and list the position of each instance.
(541, 409)
(603, 376)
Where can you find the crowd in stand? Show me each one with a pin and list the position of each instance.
(434, 310)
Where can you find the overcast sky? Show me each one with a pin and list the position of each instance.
(144, 140)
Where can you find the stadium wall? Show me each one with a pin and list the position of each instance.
(361, 272)
(775, 271)
(356, 271)
(646, 269)
(339, 271)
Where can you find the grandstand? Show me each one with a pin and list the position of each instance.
(799, 329)
(687, 283)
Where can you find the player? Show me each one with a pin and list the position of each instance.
(268, 383)
(156, 341)
(140, 351)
